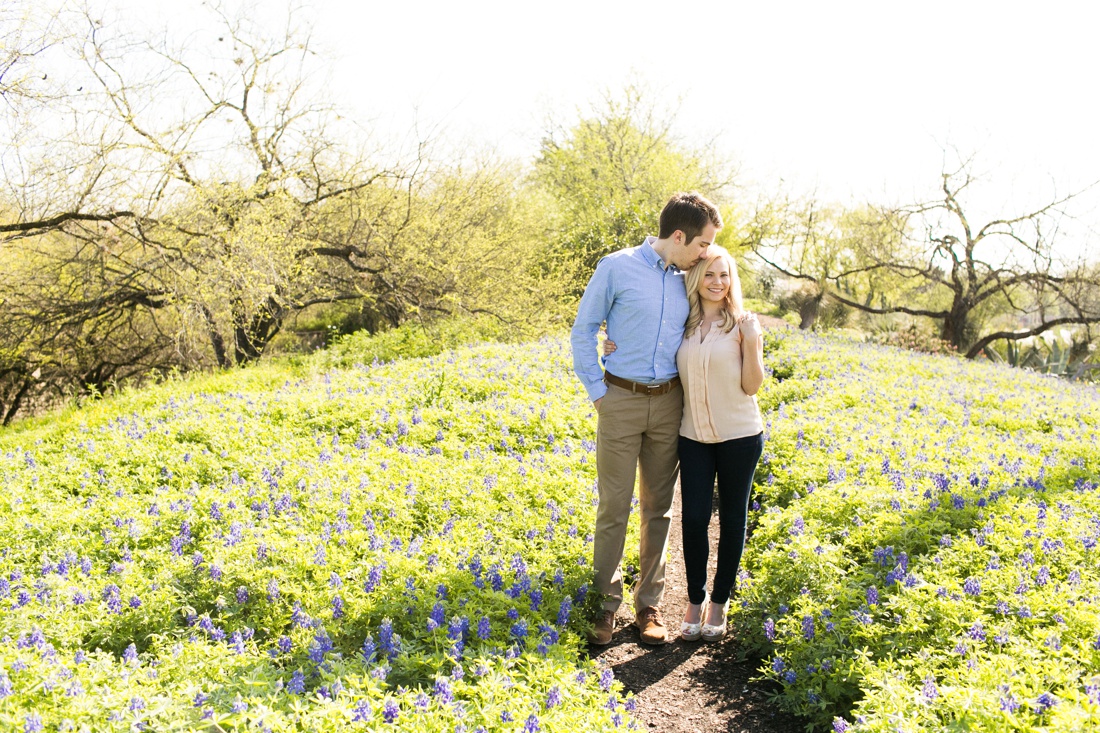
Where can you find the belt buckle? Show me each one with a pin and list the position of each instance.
(653, 389)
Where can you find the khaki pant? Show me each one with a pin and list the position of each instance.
(635, 432)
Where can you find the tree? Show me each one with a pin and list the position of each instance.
(187, 199)
(199, 205)
(612, 172)
(981, 283)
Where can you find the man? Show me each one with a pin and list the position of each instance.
(639, 292)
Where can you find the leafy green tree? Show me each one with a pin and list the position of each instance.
(611, 173)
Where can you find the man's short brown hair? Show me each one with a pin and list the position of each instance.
(690, 213)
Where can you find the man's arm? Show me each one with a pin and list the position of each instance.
(591, 313)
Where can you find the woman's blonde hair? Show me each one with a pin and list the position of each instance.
(734, 306)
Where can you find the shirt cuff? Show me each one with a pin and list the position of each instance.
(596, 391)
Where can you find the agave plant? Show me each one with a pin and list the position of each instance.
(1060, 353)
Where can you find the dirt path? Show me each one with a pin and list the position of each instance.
(692, 687)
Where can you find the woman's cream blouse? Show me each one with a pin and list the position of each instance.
(716, 409)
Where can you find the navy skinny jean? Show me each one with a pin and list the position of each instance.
(734, 463)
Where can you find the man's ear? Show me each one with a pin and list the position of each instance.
(678, 238)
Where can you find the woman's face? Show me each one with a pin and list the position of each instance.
(715, 285)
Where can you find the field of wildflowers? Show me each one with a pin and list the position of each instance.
(398, 546)
(406, 546)
(925, 556)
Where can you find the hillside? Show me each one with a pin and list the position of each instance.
(332, 543)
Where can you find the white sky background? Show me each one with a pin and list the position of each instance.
(855, 100)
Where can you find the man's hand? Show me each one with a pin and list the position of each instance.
(596, 404)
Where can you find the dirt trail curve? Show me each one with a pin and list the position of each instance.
(693, 687)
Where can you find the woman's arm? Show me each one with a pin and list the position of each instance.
(752, 354)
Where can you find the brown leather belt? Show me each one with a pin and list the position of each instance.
(649, 390)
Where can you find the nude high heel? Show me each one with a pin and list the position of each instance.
(715, 632)
(691, 632)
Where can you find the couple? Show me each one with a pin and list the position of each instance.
(682, 363)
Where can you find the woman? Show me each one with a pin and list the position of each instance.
(721, 365)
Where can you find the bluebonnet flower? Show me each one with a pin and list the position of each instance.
(872, 596)
(972, 586)
(421, 702)
(1045, 702)
(444, 693)
(1093, 691)
(130, 655)
(297, 684)
(532, 724)
(200, 699)
(1008, 702)
(564, 610)
(789, 676)
(607, 677)
(1043, 576)
(373, 578)
(436, 617)
(300, 618)
(369, 650)
(242, 595)
(553, 698)
(929, 690)
(361, 713)
(778, 665)
(337, 607)
(798, 526)
(808, 627)
(272, 590)
(5, 685)
(285, 644)
(32, 723)
(769, 629)
(506, 717)
(320, 646)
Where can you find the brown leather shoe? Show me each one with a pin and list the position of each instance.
(600, 635)
(651, 626)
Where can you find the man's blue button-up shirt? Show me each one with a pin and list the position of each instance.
(645, 306)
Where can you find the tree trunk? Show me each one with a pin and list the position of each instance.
(809, 311)
(254, 336)
(955, 327)
(216, 340)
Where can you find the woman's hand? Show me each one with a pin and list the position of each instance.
(750, 327)
(752, 353)
(609, 347)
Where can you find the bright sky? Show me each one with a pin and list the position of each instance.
(855, 98)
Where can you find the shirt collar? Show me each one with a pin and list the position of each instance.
(651, 255)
